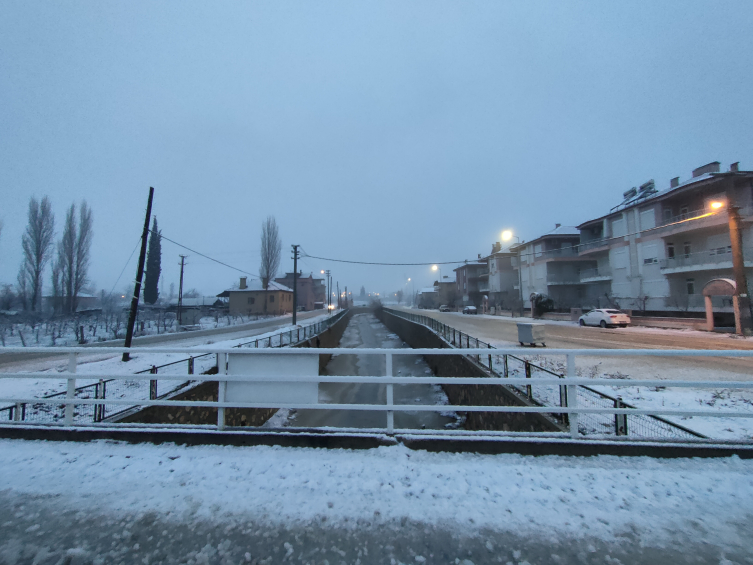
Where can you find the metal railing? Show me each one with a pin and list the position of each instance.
(573, 410)
(42, 411)
(595, 273)
(638, 423)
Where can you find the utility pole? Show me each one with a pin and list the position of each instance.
(347, 303)
(338, 296)
(139, 276)
(743, 312)
(180, 290)
(295, 282)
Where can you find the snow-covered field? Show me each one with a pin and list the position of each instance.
(103, 327)
(141, 360)
(108, 502)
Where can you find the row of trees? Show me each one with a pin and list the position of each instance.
(70, 256)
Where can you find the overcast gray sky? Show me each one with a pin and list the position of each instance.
(375, 131)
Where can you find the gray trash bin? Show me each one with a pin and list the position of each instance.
(531, 334)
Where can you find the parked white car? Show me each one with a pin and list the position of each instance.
(604, 317)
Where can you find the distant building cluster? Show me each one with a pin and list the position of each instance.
(653, 252)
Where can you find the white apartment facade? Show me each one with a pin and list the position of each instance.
(658, 249)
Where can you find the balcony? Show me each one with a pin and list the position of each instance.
(595, 245)
(712, 260)
(560, 279)
(568, 253)
(595, 275)
(698, 219)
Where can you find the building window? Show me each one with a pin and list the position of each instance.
(686, 249)
(250, 299)
(670, 251)
(691, 286)
(683, 212)
(271, 297)
(667, 214)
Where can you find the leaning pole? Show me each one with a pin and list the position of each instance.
(139, 276)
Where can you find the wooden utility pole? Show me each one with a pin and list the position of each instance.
(180, 290)
(743, 313)
(295, 282)
(139, 276)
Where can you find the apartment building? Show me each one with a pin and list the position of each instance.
(310, 290)
(469, 281)
(658, 248)
(500, 282)
(551, 265)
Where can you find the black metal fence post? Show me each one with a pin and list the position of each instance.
(563, 404)
(153, 384)
(504, 357)
(529, 389)
(190, 365)
(620, 420)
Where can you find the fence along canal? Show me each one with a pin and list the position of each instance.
(644, 426)
(152, 389)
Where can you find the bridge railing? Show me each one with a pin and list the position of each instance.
(571, 408)
(135, 389)
(508, 364)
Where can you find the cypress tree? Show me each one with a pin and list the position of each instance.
(153, 265)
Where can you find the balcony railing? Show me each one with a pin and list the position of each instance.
(594, 243)
(713, 258)
(595, 273)
(554, 253)
(562, 278)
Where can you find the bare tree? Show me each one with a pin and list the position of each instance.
(271, 250)
(83, 252)
(37, 245)
(74, 250)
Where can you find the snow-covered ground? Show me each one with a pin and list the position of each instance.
(108, 502)
(103, 327)
(140, 361)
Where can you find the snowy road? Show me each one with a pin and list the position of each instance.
(501, 331)
(108, 502)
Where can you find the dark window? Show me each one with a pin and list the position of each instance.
(667, 213)
(691, 286)
(271, 297)
(250, 299)
(686, 249)
(670, 251)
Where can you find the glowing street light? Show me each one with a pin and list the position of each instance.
(717, 205)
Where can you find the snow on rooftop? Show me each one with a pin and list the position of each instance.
(255, 285)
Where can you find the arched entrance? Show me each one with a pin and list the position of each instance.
(720, 287)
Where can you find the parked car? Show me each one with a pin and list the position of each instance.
(604, 317)
(444, 308)
(470, 310)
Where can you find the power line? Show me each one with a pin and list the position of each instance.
(126, 265)
(208, 257)
(387, 264)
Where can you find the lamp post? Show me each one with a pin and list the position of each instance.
(743, 313)
(413, 296)
(507, 235)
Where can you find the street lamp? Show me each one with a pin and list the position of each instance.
(437, 268)
(507, 235)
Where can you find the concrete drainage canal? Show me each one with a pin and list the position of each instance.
(366, 331)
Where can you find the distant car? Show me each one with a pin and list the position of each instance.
(470, 310)
(604, 317)
(444, 308)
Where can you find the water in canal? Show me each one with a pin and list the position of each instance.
(365, 330)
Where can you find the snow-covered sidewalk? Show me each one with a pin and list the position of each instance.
(107, 502)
